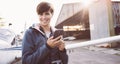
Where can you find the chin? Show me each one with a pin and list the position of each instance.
(45, 24)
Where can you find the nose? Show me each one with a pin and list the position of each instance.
(43, 16)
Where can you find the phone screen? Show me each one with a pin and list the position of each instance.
(58, 33)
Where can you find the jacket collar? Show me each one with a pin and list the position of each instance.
(40, 29)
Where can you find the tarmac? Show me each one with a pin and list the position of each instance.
(85, 56)
(93, 54)
(81, 55)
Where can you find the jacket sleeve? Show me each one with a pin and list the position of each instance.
(64, 56)
(28, 55)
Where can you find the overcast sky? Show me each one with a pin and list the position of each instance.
(19, 12)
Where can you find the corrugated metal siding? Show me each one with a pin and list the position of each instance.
(116, 16)
(116, 13)
(67, 11)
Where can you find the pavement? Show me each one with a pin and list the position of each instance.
(93, 54)
(85, 56)
(81, 55)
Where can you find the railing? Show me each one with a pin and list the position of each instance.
(112, 39)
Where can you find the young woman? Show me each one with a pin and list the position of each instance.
(39, 46)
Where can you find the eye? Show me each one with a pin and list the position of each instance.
(41, 14)
(47, 13)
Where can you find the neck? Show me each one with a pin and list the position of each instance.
(46, 28)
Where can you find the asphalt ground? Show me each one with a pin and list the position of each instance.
(93, 54)
(85, 56)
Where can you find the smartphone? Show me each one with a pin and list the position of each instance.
(57, 33)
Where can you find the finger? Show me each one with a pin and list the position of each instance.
(59, 37)
(57, 43)
(61, 41)
(61, 47)
(51, 38)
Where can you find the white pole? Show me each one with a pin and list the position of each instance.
(94, 42)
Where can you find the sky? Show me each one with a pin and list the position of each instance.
(21, 12)
(17, 12)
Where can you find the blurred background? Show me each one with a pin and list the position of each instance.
(17, 15)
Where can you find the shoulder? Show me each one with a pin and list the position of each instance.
(30, 30)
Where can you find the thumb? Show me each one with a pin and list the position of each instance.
(51, 37)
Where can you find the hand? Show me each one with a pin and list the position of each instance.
(62, 45)
(53, 42)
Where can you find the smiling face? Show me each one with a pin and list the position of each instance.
(45, 18)
(45, 13)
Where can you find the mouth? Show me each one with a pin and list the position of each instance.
(45, 21)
